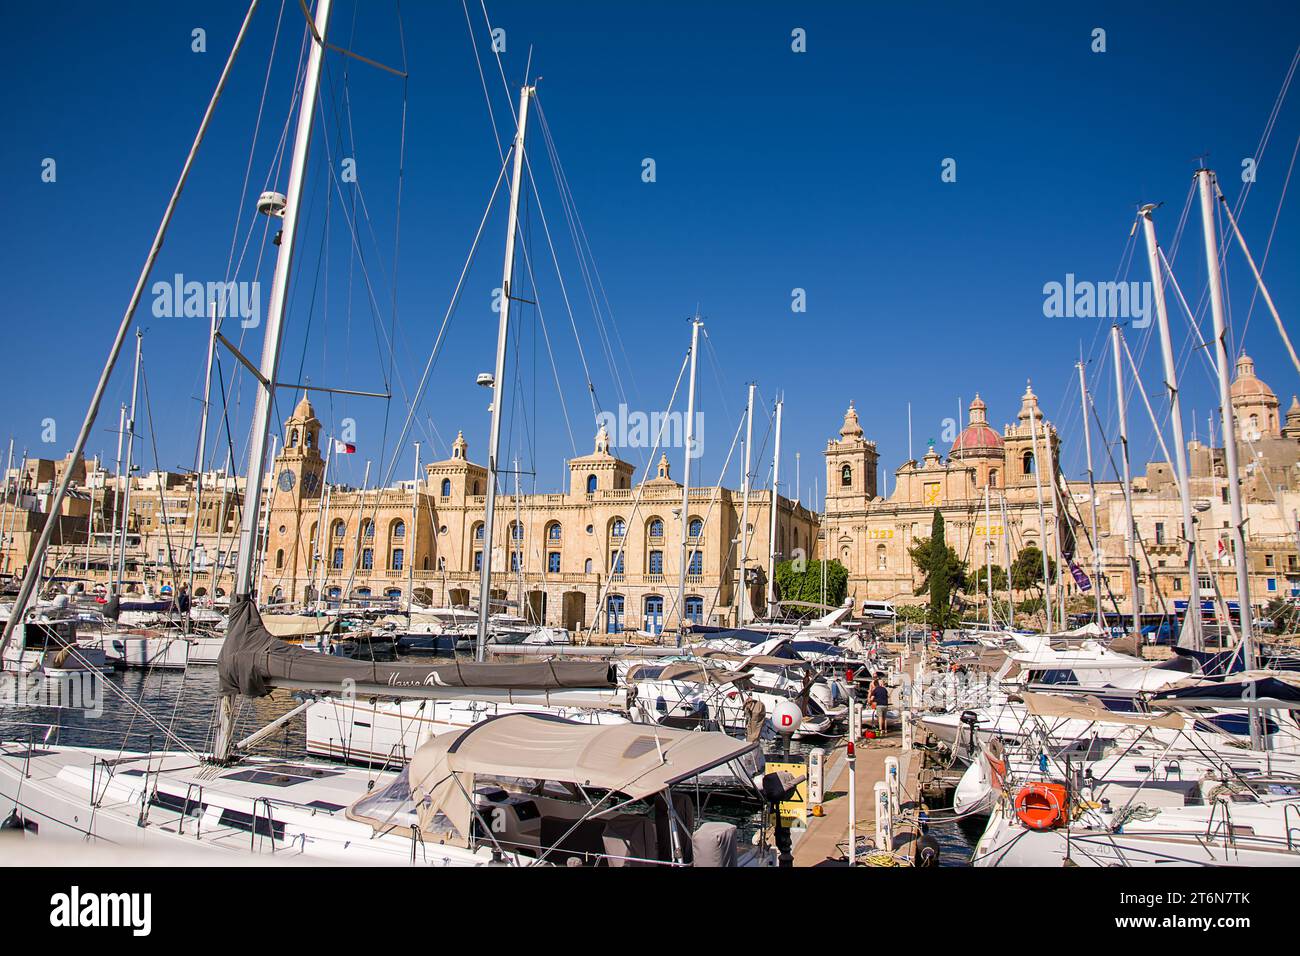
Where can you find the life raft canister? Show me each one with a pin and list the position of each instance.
(1041, 806)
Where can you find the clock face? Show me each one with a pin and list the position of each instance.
(286, 480)
(310, 483)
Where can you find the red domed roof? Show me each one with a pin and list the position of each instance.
(977, 437)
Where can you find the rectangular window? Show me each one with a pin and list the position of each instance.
(656, 562)
(553, 562)
(399, 556)
(1272, 584)
(616, 562)
(514, 560)
(478, 560)
(697, 563)
(368, 559)
(1204, 582)
(1160, 532)
(338, 559)
(1268, 560)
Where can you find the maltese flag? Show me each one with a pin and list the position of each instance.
(344, 448)
(1223, 551)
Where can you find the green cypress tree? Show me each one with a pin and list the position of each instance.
(940, 574)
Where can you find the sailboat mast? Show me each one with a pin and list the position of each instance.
(1042, 517)
(415, 533)
(498, 380)
(742, 593)
(1006, 556)
(686, 477)
(270, 362)
(198, 461)
(771, 518)
(1205, 180)
(1092, 493)
(1192, 621)
(130, 448)
(1130, 555)
(266, 532)
(988, 552)
(271, 344)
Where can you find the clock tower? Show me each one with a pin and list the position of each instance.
(295, 494)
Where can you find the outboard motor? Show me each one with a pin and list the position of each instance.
(971, 720)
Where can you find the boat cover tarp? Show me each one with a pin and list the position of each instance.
(1214, 664)
(1267, 688)
(638, 760)
(252, 660)
(1091, 709)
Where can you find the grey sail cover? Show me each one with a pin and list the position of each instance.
(252, 660)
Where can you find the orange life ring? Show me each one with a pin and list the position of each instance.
(1041, 806)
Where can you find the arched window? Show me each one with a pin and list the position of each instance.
(846, 476)
(993, 477)
(476, 487)
(311, 437)
(517, 531)
(368, 529)
(399, 530)
(617, 528)
(478, 531)
(1027, 463)
(446, 487)
(339, 527)
(279, 558)
(293, 438)
(586, 566)
(882, 557)
(591, 484)
(695, 528)
(656, 528)
(553, 531)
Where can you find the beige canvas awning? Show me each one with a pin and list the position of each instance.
(1091, 709)
(634, 759)
(297, 625)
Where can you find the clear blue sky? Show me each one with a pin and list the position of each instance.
(775, 170)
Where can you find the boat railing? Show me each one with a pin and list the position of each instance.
(270, 825)
(1286, 824)
(194, 790)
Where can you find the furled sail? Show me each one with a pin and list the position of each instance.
(253, 660)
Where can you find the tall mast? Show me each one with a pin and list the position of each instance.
(1006, 556)
(1092, 493)
(130, 448)
(1042, 517)
(742, 598)
(198, 461)
(1192, 622)
(1130, 551)
(772, 510)
(266, 530)
(988, 552)
(686, 476)
(415, 527)
(270, 362)
(1205, 179)
(117, 488)
(498, 380)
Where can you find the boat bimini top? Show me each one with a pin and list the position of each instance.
(452, 778)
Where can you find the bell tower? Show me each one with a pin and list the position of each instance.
(295, 490)
(851, 464)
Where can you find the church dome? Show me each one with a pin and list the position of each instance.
(1247, 384)
(977, 437)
